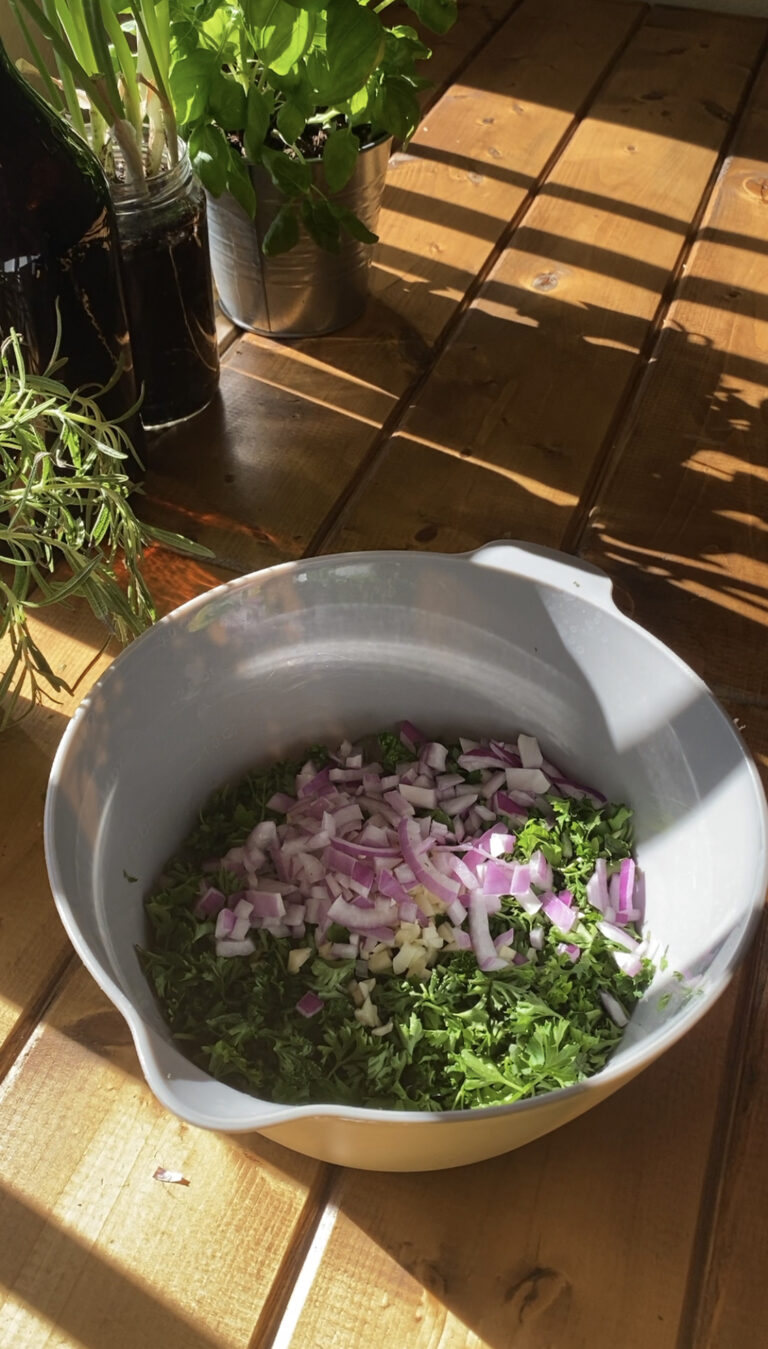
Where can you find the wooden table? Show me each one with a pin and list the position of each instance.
(567, 342)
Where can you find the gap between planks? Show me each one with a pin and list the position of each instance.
(457, 71)
(29, 1020)
(301, 1260)
(696, 1313)
(578, 524)
(411, 393)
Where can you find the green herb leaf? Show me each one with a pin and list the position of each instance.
(321, 223)
(227, 102)
(191, 79)
(292, 176)
(283, 233)
(290, 122)
(239, 183)
(280, 32)
(210, 155)
(398, 108)
(437, 15)
(355, 43)
(257, 115)
(340, 158)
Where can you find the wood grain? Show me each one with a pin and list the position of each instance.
(545, 1247)
(643, 1222)
(727, 1302)
(78, 648)
(295, 420)
(93, 1249)
(520, 404)
(696, 556)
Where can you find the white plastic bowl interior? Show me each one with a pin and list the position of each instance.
(509, 638)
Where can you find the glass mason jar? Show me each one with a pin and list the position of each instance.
(163, 231)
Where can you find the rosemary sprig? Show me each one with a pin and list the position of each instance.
(67, 526)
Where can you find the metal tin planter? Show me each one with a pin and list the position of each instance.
(308, 290)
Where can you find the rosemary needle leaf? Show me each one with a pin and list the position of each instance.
(67, 527)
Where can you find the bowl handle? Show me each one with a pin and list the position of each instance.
(549, 566)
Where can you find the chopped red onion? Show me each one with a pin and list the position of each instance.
(614, 1009)
(266, 903)
(559, 913)
(352, 849)
(280, 802)
(482, 942)
(617, 934)
(528, 749)
(504, 938)
(225, 922)
(628, 963)
(527, 780)
(228, 946)
(411, 735)
(357, 919)
(566, 948)
(209, 903)
(310, 1004)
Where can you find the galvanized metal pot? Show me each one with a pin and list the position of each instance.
(308, 290)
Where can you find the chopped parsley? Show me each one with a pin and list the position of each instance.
(453, 1038)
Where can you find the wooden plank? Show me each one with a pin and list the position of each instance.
(477, 20)
(548, 1245)
(728, 1298)
(695, 556)
(503, 436)
(467, 170)
(482, 148)
(259, 469)
(77, 647)
(93, 1249)
(299, 425)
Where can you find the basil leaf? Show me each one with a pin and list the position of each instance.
(354, 225)
(280, 32)
(283, 233)
(257, 114)
(239, 183)
(290, 122)
(398, 108)
(190, 82)
(209, 152)
(292, 176)
(437, 15)
(403, 49)
(355, 43)
(226, 101)
(321, 223)
(340, 158)
(184, 37)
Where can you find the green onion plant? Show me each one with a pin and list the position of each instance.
(113, 59)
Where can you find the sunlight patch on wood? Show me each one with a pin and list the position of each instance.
(724, 465)
(544, 490)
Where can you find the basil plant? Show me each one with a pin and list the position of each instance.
(281, 83)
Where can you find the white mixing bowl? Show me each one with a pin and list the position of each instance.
(509, 638)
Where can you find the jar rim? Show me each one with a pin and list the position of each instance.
(155, 187)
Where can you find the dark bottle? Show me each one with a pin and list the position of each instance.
(59, 246)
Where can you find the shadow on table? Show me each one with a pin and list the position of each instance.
(548, 1243)
(57, 1277)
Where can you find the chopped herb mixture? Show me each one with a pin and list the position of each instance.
(402, 924)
